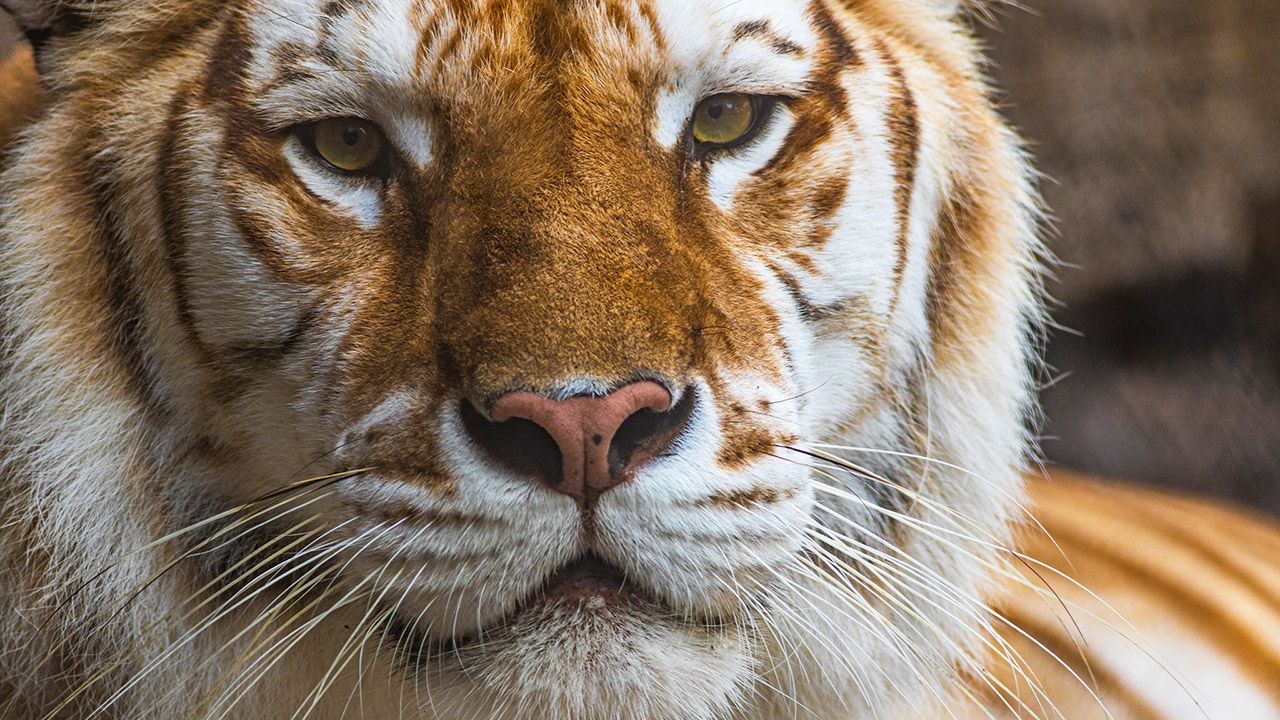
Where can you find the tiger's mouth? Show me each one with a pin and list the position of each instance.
(590, 581)
(588, 584)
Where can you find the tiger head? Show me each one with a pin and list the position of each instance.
(591, 359)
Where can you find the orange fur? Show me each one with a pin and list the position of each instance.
(21, 96)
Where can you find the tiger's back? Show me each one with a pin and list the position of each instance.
(1136, 604)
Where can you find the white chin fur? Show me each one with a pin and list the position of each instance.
(625, 661)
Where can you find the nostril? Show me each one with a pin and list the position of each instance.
(648, 435)
(520, 445)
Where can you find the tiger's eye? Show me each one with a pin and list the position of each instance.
(724, 119)
(348, 144)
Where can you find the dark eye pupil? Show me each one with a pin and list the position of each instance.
(351, 136)
(716, 110)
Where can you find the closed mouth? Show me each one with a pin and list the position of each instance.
(588, 582)
(588, 579)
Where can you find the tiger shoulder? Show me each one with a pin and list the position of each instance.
(1133, 603)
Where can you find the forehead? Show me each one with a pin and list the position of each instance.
(447, 45)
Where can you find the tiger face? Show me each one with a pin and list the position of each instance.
(627, 359)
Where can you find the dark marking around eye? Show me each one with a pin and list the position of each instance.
(749, 29)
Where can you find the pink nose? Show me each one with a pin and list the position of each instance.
(600, 439)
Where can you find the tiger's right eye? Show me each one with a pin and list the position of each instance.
(725, 119)
(350, 145)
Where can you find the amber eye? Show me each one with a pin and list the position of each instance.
(348, 144)
(725, 120)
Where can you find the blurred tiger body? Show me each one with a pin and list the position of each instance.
(1135, 604)
(252, 463)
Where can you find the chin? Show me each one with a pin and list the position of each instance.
(589, 644)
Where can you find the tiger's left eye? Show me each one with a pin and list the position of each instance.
(727, 120)
(348, 144)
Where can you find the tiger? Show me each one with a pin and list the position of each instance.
(1129, 603)
(574, 359)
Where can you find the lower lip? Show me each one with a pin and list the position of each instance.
(587, 581)
(587, 584)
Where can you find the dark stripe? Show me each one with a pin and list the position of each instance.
(621, 20)
(171, 181)
(126, 315)
(273, 352)
(904, 135)
(224, 73)
(815, 121)
(447, 50)
(223, 83)
(809, 311)
(840, 51)
(950, 273)
(426, 22)
(761, 30)
(223, 80)
(826, 104)
(651, 19)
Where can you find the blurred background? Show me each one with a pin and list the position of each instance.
(7, 34)
(1157, 125)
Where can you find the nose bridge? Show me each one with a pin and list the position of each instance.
(569, 280)
(565, 266)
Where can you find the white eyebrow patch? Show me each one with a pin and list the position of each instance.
(412, 136)
(383, 39)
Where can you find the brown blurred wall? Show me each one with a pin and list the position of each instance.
(8, 35)
(1157, 124)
